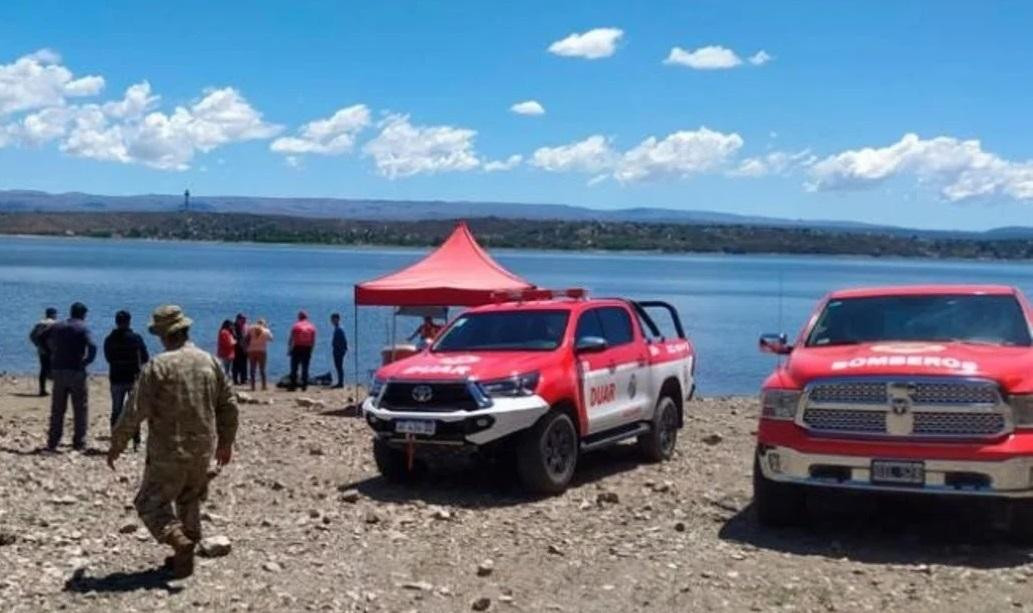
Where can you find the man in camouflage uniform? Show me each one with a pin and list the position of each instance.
(191, 412)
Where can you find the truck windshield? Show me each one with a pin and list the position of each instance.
(505, 331)
(994, 320)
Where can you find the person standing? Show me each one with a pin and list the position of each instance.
(126, 353)
(259, 337)
(339, 346)
(189, 406)
(38, 337)
(240, 350)
(72, 350)
(226, 346)
(299, 347)
(426, 332)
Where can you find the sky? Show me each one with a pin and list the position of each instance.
(904, 113)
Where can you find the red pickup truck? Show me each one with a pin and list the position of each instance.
(541, 380)
(913, 390)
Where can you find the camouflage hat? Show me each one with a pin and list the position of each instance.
(168, 319)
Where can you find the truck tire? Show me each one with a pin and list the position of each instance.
(391, 462)
(777, 504)
(547, 454)
(658, 444)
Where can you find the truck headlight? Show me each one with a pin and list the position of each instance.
(779, 404)
(518, 385)
(1021, 410)
(375, 389)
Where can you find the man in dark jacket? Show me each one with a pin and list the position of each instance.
(38, 336)
(71, 350)
(125, 352)
(339, 348)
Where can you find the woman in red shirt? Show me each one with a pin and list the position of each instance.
(226, 350)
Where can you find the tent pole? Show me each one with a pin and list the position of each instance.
(355, 352)
(394, 332)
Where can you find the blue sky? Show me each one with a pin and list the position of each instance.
(817, 127)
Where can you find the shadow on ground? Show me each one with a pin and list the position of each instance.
(150, 579)
(474, 486)
(890, 531)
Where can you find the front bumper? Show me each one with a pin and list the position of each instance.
(506, 416)
(1011, 478)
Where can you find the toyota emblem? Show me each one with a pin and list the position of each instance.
(422, 393)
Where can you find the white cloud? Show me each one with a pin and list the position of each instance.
(129, 131)
(960, 169)
(591, 45)
(774, 163)
(402, 149)
(330, 136)
(713, 57)
(508, 164)
(39, 80)
(760, 58)
(591, 155)
(528, 107)
(680, 154)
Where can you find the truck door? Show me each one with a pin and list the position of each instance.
(615, 387)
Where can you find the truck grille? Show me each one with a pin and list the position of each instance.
(399, 396)
(845, 420)
(905, 408)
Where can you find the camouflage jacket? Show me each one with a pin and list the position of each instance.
(188, 405)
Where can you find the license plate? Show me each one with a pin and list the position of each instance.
(416, 426)
(898, 472)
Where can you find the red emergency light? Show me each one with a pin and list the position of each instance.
(528, 295)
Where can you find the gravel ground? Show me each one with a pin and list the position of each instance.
(312, 527)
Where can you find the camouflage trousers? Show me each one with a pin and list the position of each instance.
(170, 497)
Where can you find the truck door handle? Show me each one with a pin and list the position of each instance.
(612, 366)
(642, 361)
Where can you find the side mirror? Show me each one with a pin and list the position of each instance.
(590, 344)
(777, 344)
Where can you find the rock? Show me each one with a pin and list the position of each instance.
(607, 498)
(485, 568)
(418, 586)
(372, 517)
(7, 538)
(215, 546)
(442, 514)
(309, 403)
(272, 567)
(315, 450)
(554, 550)
(712, 439)
(63, 500)
(128, 528)
(679, 526)
(350, 495)
(481, 604)
(243, 398)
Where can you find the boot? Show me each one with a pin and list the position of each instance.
(182, 561)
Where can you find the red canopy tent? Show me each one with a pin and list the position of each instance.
(458, 273)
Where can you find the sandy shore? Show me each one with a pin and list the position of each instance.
(313, 528)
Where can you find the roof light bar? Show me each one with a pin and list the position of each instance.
(528, 295)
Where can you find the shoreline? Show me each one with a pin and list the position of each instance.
(400, 248)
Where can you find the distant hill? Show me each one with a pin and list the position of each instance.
(383, 210)
(511, 233)
(14, 201)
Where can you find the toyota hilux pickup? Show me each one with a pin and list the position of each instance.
(913, 390)
(542, 378)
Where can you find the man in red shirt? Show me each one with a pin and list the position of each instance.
(299, 346)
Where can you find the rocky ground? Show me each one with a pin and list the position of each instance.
(312, 527)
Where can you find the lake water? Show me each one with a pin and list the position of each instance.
(725, 301)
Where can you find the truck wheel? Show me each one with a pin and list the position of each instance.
(777, 504)
(391, 462)
(1021, 527)
(658, 444)
(547, 454)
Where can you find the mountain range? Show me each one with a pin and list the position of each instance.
(22, 201)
